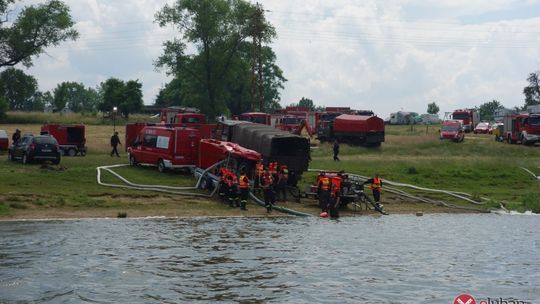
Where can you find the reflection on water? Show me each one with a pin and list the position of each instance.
(391, 259)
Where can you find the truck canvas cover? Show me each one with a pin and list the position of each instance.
(274, 144)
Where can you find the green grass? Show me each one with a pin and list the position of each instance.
(71, 118)
(479, 166)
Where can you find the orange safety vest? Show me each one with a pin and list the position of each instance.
(336, 184)
(376, 185)
(244, 182)
(325, 183)
(259, 169)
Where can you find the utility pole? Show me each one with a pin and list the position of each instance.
(257, 31)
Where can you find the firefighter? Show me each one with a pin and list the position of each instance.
(232, 187)
(272, 168)
(376, 185)
(222, 188)
(336, 150)
(323, 191)
(259, 172)
(335, 194)
(283, 177)
(244, 189)
(268, 191)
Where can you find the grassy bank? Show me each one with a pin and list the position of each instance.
(479, 166)
(26, 118)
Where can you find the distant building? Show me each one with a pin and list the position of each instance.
(533, 109)
(429, 119)
(500, 113)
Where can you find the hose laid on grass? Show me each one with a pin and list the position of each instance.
(460, 195)
(156, 188)
(173, 190)
(531, 173)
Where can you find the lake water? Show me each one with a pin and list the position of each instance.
(388, 259)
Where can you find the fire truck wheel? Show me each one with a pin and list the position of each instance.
(71, 152)
(161, 166)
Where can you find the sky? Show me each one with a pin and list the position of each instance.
(380, 55)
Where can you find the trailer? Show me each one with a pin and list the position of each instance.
(71, 138)
(353, 129)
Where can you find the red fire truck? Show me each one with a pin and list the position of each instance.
(468, 117)
(71, 138)
(453, 130)
(179, 147)
(523, 128)
(256, 117)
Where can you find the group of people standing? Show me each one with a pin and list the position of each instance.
(329, 191)
(272, 181)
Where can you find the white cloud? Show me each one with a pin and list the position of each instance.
(379, 55)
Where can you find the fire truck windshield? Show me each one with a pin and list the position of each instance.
(290, 120)
(535, 120)
(460, 116)
(450, 128)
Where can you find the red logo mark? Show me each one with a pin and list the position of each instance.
(464, 299)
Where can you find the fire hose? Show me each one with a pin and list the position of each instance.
(459, 195)
(178, 190)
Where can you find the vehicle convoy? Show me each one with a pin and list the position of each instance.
(355, 129)
(179, 147)
(31, 148)
(71, 138)
(4, 140)
(523, 128)
(453, 130)
(274, 145)
(468, 117)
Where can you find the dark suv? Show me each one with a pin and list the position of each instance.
(40, 148)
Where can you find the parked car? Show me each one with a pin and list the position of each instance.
(35, 148)
(4, 140)
(481, 128)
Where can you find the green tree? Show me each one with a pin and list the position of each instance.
(75, 96)
(171, 94)
(487, 110)
(306, 103)
(3, 107)
(432, 108)
(18, 89)
(132, 101)
(34, 29)
(127, 97)
(42, 100)
(112, 94)
(532, 91)
(219, 72)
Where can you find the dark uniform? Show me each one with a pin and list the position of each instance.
(115, 141)
(244, 191)
(335, 193)
(232, 194)
(268, 191)
(376, 185)
(283, 177)
(336, 150)
(323, 190)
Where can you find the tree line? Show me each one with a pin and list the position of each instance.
(220, 63)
